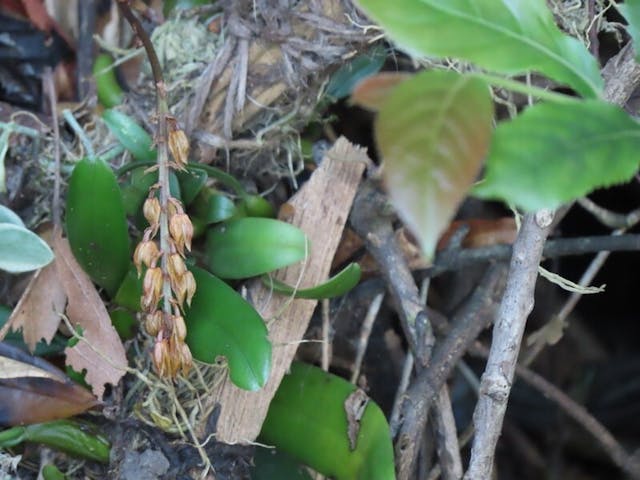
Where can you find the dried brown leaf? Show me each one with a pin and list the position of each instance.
(38, 311)
(102, 354)
(33, 391)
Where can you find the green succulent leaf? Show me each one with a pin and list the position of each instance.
(97, 225)
(107, 87)
(21, 250)
(344, 80)
(506, 36)
(273, 464)
(9, 216)
(433, 131)
(252, 246)
(555, 153)
(221, 323)
(191, 184)
(319, 437)
(131, 135)
(211, 207)
(338, 285)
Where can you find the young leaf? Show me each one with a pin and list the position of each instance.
(32, 390)
(339, 284)
(372, 92)
(131, 135)
(21, 250)
(8, 216)
(433, 132)
(221, 323)
(252, 246)
(336, 441)
(506, 36)
(630, 9)
(554, 153)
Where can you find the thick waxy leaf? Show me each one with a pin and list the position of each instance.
(21, 250)
(347, 438)
(8, 216)
(221, 323)
(350, 74)
(553, 153)
(131, 135)
(32, 390)
(337, 285)
(109, 91)
(433, 132)
(506, 36)
(81, 440)
(273, 464)
(96, 223)
(631, 11)
(252, 246)
(211, 207)
(191, 183)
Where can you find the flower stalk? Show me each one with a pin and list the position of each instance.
(167, 287)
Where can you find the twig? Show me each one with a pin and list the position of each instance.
(78, 130)
(626, 462)
(326, 335)
(87, 20)
(608, 218)
(515, 307)
(56, 210)
(562, 247)
(446, 437)
(365, 333)
(407, 368)
(473, 317)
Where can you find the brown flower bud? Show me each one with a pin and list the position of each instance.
(153, 323)
(160, 354)
(151, 210)
(176, 266)
(146, 253)
(181, 230)
(151, 289)
(179, 147)
(190, 286)
(179, 328)
(185, 358)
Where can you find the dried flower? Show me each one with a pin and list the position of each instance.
(190, 286)
(153, 323)
(146, 253)
(151, 289)
(151, 210)
(185, 358)
(181, 230)
(179, 328)
(176, 266)
(179, 147)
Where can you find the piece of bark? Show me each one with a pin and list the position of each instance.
(320, 209)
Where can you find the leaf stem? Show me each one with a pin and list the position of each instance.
(523, 88)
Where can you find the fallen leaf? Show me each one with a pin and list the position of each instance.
(102, 354)
(38, 311)
(354, 406)
(33, 391)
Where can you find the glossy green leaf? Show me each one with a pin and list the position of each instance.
(136, 190)
(554, 153)
(274, 464)
(191, 183)
(21, 250)
(433, 132)
(307, 419)
(51, 472)
(125, 323)
(354, 71)
(130, 290)
(505, 36)
(336, 286)
(252, 246)
(630, 9)
(9, 216)
(256, 206)
(211, 207)
(97, 225)
(107, 87)
(75, 438)
(221, 323)
(131, 135)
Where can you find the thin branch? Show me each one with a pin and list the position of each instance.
(627, 463)
(365, 333)
(326, 335)
(515, 307)
(561, 247)
(56, 209)
(447, 437)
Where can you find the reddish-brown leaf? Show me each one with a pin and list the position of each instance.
(33, 391)
(373, 91)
